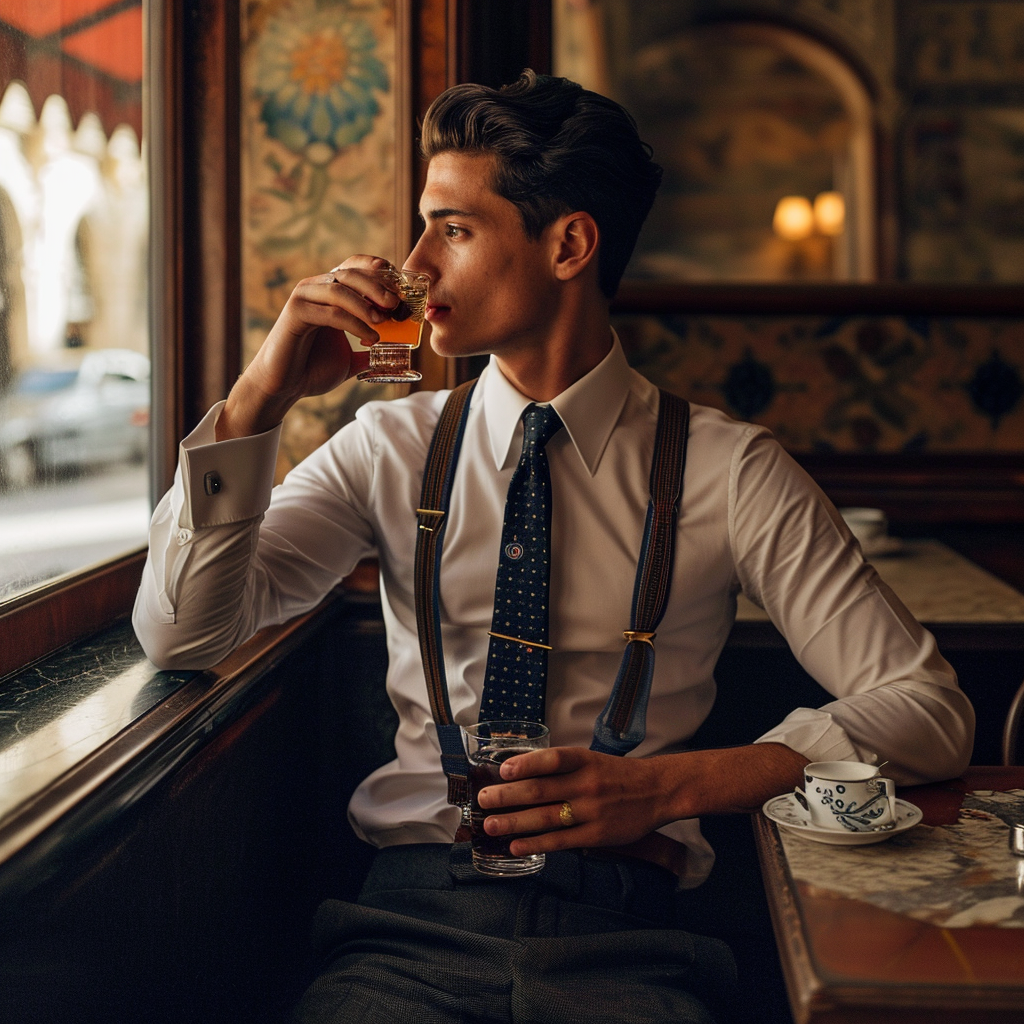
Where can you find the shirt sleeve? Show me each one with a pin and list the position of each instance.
(898, 699)
(229, 553)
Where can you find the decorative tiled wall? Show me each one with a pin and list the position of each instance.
(849, 383)
(319, 165)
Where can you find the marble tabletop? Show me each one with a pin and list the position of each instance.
(938, 586)
(954, 875)
(926, 925)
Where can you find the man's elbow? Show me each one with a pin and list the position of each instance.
(169, 649)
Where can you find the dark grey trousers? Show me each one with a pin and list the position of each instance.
(588, 940)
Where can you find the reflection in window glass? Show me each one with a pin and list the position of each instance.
(74, 340)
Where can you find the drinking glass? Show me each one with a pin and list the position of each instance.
(390, 358)
(488, 744)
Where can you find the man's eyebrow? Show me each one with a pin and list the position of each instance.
(448, 211)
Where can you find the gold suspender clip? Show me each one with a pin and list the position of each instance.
(429, 512)
(516, 640)
(636, 634)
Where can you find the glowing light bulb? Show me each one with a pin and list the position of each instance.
(793, 219)
(829, 213)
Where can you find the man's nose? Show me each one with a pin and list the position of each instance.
(419, 261)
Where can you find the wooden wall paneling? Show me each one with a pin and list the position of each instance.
(193, 906)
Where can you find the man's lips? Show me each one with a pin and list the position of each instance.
(435, 312)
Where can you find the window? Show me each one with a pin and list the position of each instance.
(74, 333)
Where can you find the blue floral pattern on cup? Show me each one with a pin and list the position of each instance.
(853, 816)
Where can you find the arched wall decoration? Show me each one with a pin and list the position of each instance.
(734, 144)
(861, 205)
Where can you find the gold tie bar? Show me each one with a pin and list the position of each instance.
(516, 640)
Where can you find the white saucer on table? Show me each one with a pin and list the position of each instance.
(789, 815)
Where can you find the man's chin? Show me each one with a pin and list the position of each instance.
(449, 348)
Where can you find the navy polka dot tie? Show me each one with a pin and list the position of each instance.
(517, 660)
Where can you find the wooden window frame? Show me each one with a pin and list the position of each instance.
(192, 135)
(192, 106)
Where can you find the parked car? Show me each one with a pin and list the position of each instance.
(66, 419)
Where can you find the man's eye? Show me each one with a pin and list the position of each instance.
(454, 231)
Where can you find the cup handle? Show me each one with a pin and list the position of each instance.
(801, 798)
(890, 795)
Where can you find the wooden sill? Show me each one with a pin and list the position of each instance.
(64, 611)
(46, 826)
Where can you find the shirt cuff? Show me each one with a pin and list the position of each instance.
(225, 481)
(816, 735)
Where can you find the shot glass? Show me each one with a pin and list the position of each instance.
(488, 744)
(391, 357)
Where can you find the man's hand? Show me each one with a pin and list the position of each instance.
(617, 800)
(306, 351)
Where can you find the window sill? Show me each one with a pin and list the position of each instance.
(87, 731)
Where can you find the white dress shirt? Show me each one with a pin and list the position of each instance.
(222, 566)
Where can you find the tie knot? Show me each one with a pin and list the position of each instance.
(540, 424)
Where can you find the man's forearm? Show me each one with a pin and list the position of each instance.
(728, 780)
(618, 800)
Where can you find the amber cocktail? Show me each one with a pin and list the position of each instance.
(390, 358)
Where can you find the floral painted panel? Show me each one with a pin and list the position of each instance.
(320, 167)
(846, 384)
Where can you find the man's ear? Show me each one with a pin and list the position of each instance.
(575, 238)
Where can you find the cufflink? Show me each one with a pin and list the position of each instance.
(212, 484)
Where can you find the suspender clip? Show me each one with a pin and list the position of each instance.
(430, 512)
(637, 634)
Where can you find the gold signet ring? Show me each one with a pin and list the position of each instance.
(565, 814)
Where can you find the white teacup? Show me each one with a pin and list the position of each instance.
(868, 525)
(847, 796)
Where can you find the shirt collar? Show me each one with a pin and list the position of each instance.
(589, 409)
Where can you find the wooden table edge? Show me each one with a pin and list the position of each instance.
(812, 1000)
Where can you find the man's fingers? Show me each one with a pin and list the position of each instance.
(540, 818)
(363, 261)
(369, 301)
(362, 275)
(552, 761)
(356, 316)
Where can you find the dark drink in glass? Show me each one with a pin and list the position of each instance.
(488, 745)
(482, 773)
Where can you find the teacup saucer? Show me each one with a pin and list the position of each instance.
(786, 812)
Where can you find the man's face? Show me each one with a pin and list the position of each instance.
(492, 287)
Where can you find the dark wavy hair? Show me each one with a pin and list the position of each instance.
(559, 148)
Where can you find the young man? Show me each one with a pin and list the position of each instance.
(534, 197)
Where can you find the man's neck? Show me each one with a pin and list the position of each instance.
(573, 348)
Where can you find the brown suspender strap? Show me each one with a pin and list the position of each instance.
(621, 726)
(432, 513)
